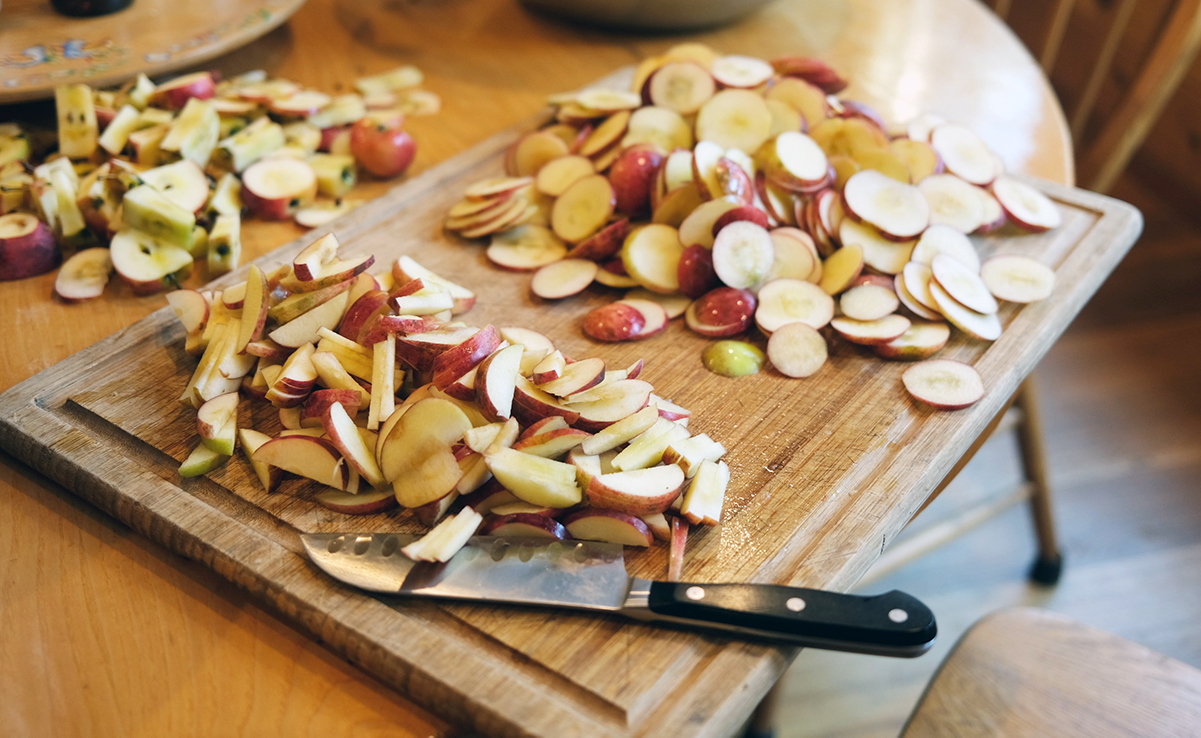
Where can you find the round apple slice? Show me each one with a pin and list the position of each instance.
(919, 157)
(994, 214)
(654, 316)
(944, 384)
(609, 101)
(557, 175)
(743, 255)
(981, 326)
(879, 253)
(794, 161)
(784, 117)
(963, 284)
(662, 127)
(722, 312)
(321, 213)
(681, 86)
(921, 341)
(525, 248)
(734, 119)
(964, 154)
(651, 256)
(613, 274)
(534, 151)
(784, 301)
(563, 278)
(697, 228)
(953, 202)
(605, 135)
(1017, 279)
(871, 332)
(743, 72)
(496, 187)
(920, 128)
(897, 209)
(85, 274)
(920, 275)
(943, 239)
(274, 188)
(604, 244)
(796, 256)
(183, 183)
(583, 209)
(867, 302)
(673, 305)
(797, 350)
(616, 321)
(841, 269)
(305, 102)
(1026, 206)
(145, 263)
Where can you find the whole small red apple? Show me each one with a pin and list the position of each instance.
(381, 146)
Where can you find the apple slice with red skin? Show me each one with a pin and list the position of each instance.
(524, 525)
(365, 307)
(406, 269)
(613, 274)
(1030, 209)
(632, 176)
(431, 513)
(217, 423)
(318, 402)
(670, 410)
(335, 272)
(305, 456)
(191, 307)
(963, 284)
(638, 492)
(605, 405)
(981, 326)
(614, 322)
(576, 377)
(953, 202)
(944, 384)
(794, 162)
(604, 244)
(295, 305)
(964, 154)
(742, 212)
(531, 404)
(371, 502)
(797, 350)
(868, 301)
(680, 86)
(552, 444)
(549, 368)
(545, 425)
(496, 382)
(841, 269)
(525, 248)
(457, 360)
(733, 179)
(309, 262)
(489, 497)
(658, 524)
(921, 341)
(897, 210)
(84, 275)
(609, 526)
(654, 315)
(417, 455)
(176, 92)
(871, 332)
(303, 328)
(534, 479)
(725, 311)
(813, 71)
(557, 175)
(421, 350)
(273, 189)
(783, 301)
(269, 350)
(703, 500)
(1018, 279)
(695, 273)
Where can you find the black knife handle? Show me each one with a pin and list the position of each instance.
(889, 624)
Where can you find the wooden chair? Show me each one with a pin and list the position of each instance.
(1153, 49)
(1027, 672)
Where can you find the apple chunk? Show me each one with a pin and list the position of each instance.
(534, 479)
(269, 475)
(217, 423)
(638, 492)
(610, 526)
(312, 458)
(416, 455)
(496, 382)
(344, 434)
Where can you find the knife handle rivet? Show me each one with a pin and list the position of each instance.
(694, 593)
(897, 615)
(796, 604)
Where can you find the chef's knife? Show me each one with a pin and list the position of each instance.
(587, 575)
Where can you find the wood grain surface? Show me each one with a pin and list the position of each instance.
(1027, 672)
(163, 649)
(826, 471)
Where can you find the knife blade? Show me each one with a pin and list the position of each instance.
(587, 575)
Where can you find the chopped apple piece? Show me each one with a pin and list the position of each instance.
(706, 494)
(445, 540)
(610, 526)
(383, 392)
(201, 461)
(646, 450)
(305, 456)
(217, 423)
(269, 475)
(524, 525)
(534, 479)
(637, 492)
(344, 434)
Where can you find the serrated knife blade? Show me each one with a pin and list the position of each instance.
(589, 575)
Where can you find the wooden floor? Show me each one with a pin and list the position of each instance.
(1122, 400)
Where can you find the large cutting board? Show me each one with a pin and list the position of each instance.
(825, 472)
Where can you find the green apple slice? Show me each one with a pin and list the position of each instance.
(201, 461)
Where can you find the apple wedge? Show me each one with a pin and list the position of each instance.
(534, 479)
(637, 492)
(308, 457)
(345, 436)
(576, 377)
(251, 440)
(524, 525)
(405, 269)
(371, 502)
(416, 455)
(201, 461)
(445, 540)
(457, 360)
(604, 405)
(609, 526)
(706, 493)
(531, 404)
(496, 382)
(217, 423)
(647, 449)
(552, 444)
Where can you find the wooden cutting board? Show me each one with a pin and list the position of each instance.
(826, 471)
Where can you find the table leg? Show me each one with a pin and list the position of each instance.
(1049, 564)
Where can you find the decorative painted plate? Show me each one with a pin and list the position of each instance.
(40, 48)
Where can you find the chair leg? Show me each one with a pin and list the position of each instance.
(1049, 564)
(763, 720)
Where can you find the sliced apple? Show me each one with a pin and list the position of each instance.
(681, 86)
(217, 423)
(646, 450)
(604, 405)
(531, 404)
(576, 377)
(524, 525)
(303, 328)
(734, 119)
(552, 444)
(963, 284)
(345, 436)
(534, 479)
(461, 358)
(722, 312)
(871, 332)
(610, 526)
(251, 440)
(895, 208)
(496, 382)
(1017, 279)
(697, 228)
(191, 307)
(981, 326)
(305, 456)
(614, 322)
(689, 453)
(1026, 206)
(964, 154)
(371, 502)
(944, 384)
(638, 492)
(654, 316)
(953, 202)
(445, 540)
(563, 278)
(526, 248)
(274, 189)
(921, 341)
(866, 302)
(201, 461)
(943, 239)
(783, 301)
(583, 209)
(841, 269)
(703, 501)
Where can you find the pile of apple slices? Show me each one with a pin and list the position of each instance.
(162, 174)
(496, 424)
(734, 192)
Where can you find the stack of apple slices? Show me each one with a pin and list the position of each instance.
(734, 191)
(525, 440)
(162, 173)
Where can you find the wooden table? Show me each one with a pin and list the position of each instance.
(107, 633)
